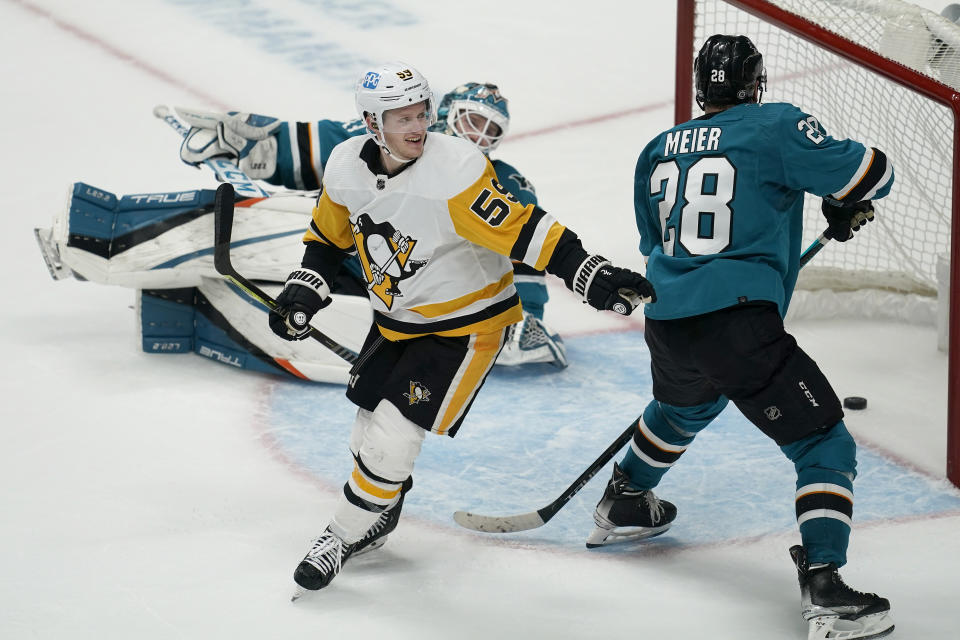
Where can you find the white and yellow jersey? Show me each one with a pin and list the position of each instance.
(435, 241)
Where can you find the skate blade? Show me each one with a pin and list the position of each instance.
(601, 537)
(298, 593)
(871, 627)
(376, 544)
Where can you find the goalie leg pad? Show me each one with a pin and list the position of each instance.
(529, 341)
(167, 319)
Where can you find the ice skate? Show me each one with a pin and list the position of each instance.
(376, 536)
(529, 341)
(834, 610)
(322, 563)
(628, 514)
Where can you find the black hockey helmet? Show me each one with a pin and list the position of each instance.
(728, 70)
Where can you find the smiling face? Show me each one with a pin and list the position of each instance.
(404, 130)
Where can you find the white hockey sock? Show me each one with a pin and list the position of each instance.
(350, 522)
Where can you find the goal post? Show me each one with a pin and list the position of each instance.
(886, 72)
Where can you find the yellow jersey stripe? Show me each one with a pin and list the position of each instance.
(505, 318)
(443, 308)
(486, 346)
(549, 246)
(372, 489)
(486, 214)
(333, 220)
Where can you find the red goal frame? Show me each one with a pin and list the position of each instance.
(941, 93)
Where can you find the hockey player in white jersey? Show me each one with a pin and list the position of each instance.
(159, 243)
(435, 232)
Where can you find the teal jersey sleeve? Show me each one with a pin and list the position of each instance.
(515, 182)
(815, 162)
(304, 147)
(719, 203)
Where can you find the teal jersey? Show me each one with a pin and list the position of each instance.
(719, 203)
(515, 183)
(304, 147)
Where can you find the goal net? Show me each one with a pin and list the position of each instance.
(884, 72)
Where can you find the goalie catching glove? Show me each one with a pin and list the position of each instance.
(304, 294)
(247, 138)
(844, 220)
(609, 288)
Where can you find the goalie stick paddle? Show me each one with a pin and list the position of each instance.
(222, 232)
(538, 518)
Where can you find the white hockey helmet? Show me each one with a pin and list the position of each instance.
(391, 86)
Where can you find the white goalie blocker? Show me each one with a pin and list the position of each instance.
(162, 245)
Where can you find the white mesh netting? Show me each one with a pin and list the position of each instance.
(898, 251)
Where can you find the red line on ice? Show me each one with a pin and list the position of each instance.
(115, 52)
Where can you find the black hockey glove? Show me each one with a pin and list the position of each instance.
(844, 220)
(609, 288)
(303, 295)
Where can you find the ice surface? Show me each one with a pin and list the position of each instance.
(171, 497)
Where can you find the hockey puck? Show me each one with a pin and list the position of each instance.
(855, 402)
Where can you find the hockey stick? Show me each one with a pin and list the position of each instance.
(224, 169)
(813, 249)
(222, 232)
(538, 518)
(373, 280)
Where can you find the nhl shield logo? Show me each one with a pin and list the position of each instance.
(772, 413)
(418, 393)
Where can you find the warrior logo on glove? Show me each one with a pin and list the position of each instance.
(384, 253)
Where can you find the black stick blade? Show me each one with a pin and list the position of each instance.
(223, 228)
(538, 518)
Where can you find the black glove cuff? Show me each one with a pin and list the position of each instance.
(304, 288)
(310, 279)
(585, 274)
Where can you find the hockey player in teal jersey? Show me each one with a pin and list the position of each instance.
(719, 203)
(293, 154)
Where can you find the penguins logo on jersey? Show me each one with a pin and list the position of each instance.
(418, 393)
(384, 253)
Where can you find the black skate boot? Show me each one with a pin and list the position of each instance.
(833, 609)
(628, 514)
(376, 536)
(322, 563)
